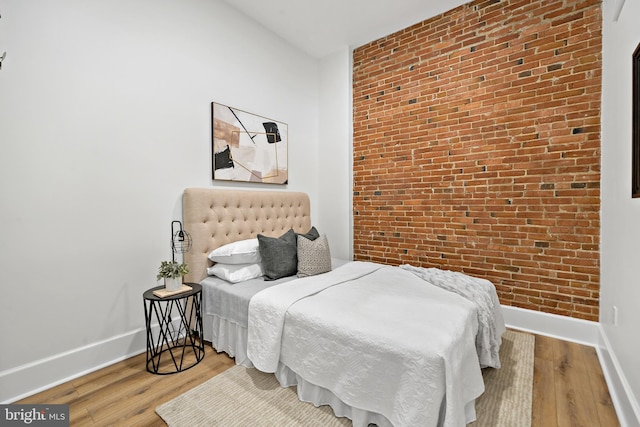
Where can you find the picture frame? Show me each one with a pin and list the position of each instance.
(247, 147)
(635, 155)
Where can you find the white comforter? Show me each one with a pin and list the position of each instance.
(384, 341)
(482, 294)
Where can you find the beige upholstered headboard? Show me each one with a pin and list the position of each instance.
(216, 217)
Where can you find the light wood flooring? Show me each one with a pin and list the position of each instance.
(569, 389)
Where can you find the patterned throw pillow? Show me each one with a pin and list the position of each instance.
(314, 256)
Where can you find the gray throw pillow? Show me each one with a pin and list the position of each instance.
(314, 256)
(311, 234)
(279, 255)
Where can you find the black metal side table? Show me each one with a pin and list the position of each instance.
(175, 344)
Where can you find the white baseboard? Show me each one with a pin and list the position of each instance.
(34, 377)
(626, 404)
(588, 333)
(552, 325)
(31, 378)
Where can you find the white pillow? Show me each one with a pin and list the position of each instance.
(235, 273)
(240, 252)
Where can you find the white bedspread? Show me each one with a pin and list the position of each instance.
(480, 292)
(385, 341)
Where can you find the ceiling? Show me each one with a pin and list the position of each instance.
(322, 27)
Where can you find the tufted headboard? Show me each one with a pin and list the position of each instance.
(216, 217)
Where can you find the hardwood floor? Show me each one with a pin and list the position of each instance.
(569, 386)
(569, 389)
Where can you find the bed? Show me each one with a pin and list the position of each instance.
(383, 345)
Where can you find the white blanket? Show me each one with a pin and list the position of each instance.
(384, 341)
(482, 294)
(268, 308)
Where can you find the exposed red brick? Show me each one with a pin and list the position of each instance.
(477, 149)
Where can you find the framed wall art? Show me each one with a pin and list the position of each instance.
(248, 147)
(635, 170)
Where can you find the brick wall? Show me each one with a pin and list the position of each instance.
(477, 149)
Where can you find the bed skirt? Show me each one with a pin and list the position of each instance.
(231, 338)
(228, 337)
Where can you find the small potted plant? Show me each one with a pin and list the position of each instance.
(172, 273)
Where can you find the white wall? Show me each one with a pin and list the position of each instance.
(620, 246)
(104, 120)
(335, 152)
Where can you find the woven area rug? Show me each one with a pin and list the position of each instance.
(506, 400)
(246, 397)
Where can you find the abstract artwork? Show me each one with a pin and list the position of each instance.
(248, 147)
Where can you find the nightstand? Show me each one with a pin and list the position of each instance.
(174, 330)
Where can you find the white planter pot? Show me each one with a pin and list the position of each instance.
(172, 284)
